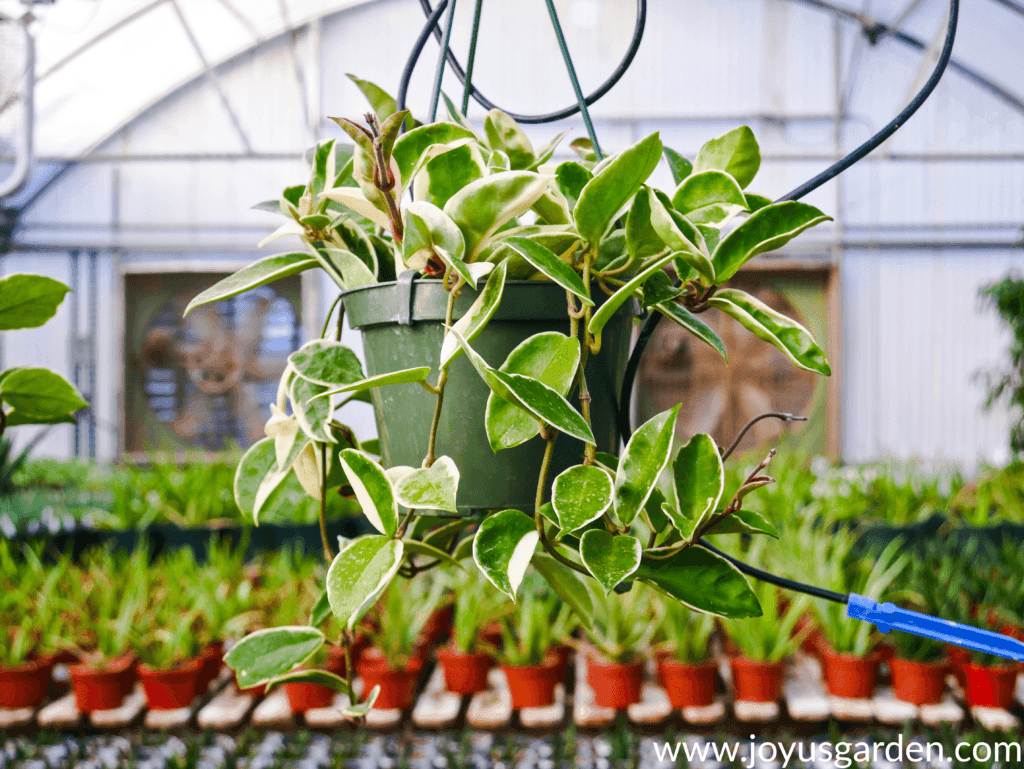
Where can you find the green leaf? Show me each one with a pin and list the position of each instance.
(267, 654)
(699, 480)
(548, 263)
(792, 339)
(583, 147)
(645, 458)
(571, 177)
(457, 117)
(372, 488)
(430, 488)
(573, 591)
(312, 412)
(503, 547)
(580, 495)
(680, 234)
(745, 522)
(498, 161)
(28, 301)
(39, 392)
(756, 202)
(326, 363)
(422, 548)
(359, 574)
(470, 325)
(735, 152)
(655, 511)
(678, 165)
(355, 200)
(447, 171)
(405, 376)
(16, 418)
(642, 240)
(503, 133)
(364, 707)
(428, 228)
(383, 104)
(609, 558)
(549, 357)
(553, 208)
(321, 610)
(532, 395)
(311, 676)
(483, 207)
(658, 289)
(544, 153)
(254, 493)
(679, 314)
(610, 190)
(353, 270)
(616, 300)
(769, 228)
(703, 581)
(710, 197)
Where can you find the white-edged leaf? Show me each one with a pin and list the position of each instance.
(359, 574)
(503, 547)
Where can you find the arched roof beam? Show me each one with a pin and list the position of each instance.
(876, 30)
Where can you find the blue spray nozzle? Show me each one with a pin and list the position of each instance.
(888, 615)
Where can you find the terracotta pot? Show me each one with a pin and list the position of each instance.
(256, 691)
(660, 655)
(304, 696)
(464, 673)
(438, 625)
(990, 687)
(397, 686)
(755, 681)
(102, 688)
(615, 685)
(492, 634)
(24, 686)
(958, 658)
(689, 686)
(560, 653)
(210, 657)
(532, 686)
(850, 676)
(171, 689)
(919, 683)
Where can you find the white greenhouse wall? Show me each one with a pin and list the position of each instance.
(913, 332)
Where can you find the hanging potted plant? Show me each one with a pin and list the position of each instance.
(623, 626)
(495, 291)
(468, 658)
(528, 668)
(683, 653)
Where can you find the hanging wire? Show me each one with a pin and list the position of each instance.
(567, 58)
(471, 57)
(439, 71)
(414, 56)
(550, 117)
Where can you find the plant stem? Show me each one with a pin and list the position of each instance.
(538, 518)
(327, 320)
(590, 452)
(328, 553)
(442, 380)
(341, 322)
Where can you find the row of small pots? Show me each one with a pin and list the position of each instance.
(104, 687)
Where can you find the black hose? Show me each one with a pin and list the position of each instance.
(550, 117)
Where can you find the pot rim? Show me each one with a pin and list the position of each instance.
(601, 662)
(114, 666)
(674, 663)
(408, 306)
(872, 656)
(1001, 669)
(746, 662)
(942, 663)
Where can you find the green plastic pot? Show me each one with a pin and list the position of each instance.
(403, 324)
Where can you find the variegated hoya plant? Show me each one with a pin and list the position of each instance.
(486, 206)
